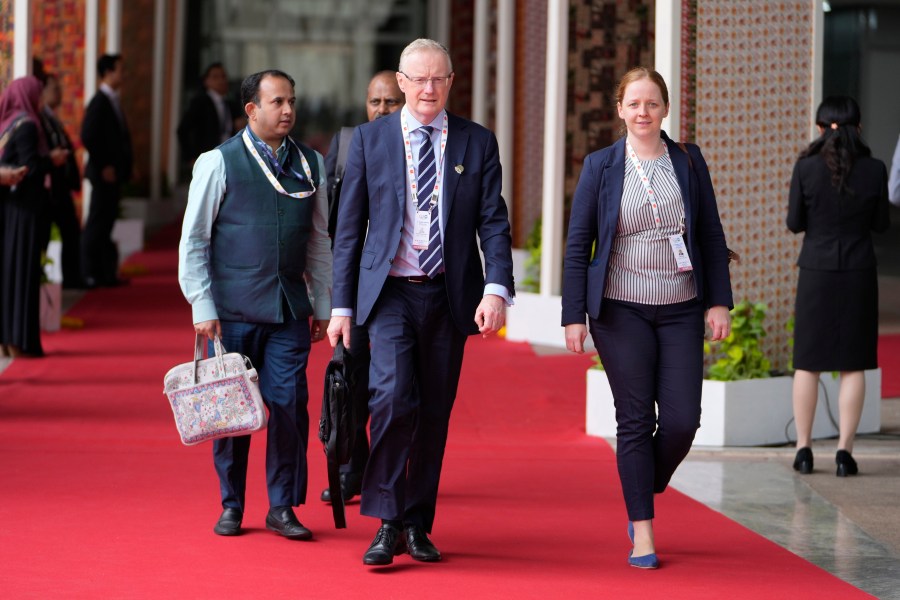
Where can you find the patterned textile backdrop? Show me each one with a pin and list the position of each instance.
(6, 42)
(606, 39)
(754, 72)
(58, 41)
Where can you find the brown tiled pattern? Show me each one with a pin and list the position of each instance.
(753, 94)
(607, 38)
(7, 39)
(530, 77)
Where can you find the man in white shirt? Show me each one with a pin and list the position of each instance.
(255, 265)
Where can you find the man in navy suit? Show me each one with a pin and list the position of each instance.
(104, 133)
(419, 186)
(211, 117)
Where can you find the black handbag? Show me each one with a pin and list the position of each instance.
(336, 428)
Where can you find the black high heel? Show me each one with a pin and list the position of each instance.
(846, 465)
(803, 462)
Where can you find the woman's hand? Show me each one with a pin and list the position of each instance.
(719, 320)
(575, 336)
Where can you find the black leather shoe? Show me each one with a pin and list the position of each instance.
(846, 465)
(282, 520)
(419, 546)
(387, 544)
(229, 523)
(351, 486)
(803, 462)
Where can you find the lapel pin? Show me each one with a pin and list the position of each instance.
(459, 169)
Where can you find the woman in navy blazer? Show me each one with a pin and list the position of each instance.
(644, 304)
(838, 197)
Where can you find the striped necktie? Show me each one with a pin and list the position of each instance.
(430, 259)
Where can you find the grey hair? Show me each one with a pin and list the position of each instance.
(424, 44)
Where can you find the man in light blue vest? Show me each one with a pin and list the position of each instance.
(255, 265)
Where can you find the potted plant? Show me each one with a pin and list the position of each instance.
(745, 402)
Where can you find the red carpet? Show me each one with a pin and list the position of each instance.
(889, 362)
(100, 499)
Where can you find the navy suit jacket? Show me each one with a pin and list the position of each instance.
(107, 140)
(371, 213)
(595, 215)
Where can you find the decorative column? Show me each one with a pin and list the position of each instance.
(480, 63)
(506, 66)
(22, 40)
(157, 90)
(554, 146)
(668, 59)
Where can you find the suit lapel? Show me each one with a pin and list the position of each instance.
(611, 195)
(681, 164)
(457, 141)
(396, 155)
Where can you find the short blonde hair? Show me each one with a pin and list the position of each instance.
(424, 44)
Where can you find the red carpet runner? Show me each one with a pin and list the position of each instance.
(100, 500)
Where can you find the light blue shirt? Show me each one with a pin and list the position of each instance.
(406, 262)
(204, 199)
(894, 177)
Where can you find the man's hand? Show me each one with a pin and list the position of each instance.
(108, 174)
(339, 327)
(58, 156)
(576, 333)
(719, 320)
(317, 330)
(210, 329)
(489, 316)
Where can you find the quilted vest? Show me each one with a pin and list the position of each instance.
(258, 245)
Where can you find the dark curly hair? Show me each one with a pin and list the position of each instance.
(840, 143)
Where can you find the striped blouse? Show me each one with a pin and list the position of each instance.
(642, 267)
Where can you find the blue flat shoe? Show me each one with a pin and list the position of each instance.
(648, 561)
(631, 532)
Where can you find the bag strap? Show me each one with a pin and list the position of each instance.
(198, 354)
(343, 149)
(684, 149)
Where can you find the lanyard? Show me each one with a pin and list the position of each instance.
(439, 165)
(646, 181)
(272, 178)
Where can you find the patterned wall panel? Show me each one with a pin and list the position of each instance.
(754, 65)
(607, 38)
(137, 58)
(7, 38)
(462, 38)
(530, 78)
(58, 41)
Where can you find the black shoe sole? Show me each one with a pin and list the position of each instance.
(227, 532)
(804, 468)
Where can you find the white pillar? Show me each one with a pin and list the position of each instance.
(177, 75)
(668, 59)
(554, 145)
(22, 38)
(157, 94)
(503, 117)
(439, 21)
(480, 63)
(91, 41)
(113, 26)
(818, 50)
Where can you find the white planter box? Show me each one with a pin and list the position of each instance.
(751, 412)
(128, 235)
(535, 318)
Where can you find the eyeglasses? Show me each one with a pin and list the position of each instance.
(423, 81)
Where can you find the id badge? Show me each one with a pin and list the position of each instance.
(422, 231)
(680, 251)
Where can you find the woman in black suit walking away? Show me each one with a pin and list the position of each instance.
(838, 197)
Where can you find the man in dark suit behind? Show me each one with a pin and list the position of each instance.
(210, 117)
(104, 133)
(406, 260)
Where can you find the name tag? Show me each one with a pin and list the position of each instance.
(422, 231)
(680, 251)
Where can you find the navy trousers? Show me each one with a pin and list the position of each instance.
(358, 362)
(279, 351)
(99, 254)
(653, 356)
(413, 381)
